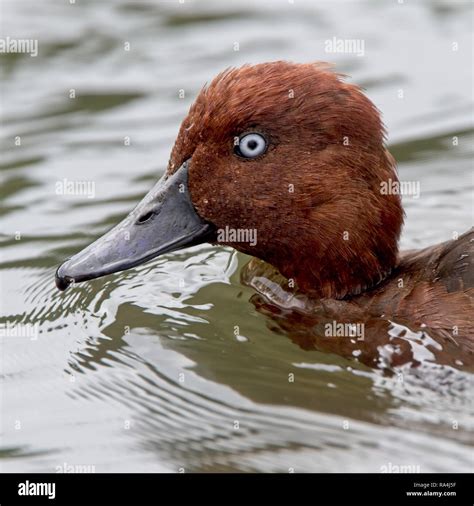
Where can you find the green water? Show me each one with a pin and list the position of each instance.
(169, 365)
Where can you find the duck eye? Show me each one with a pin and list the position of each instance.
(251, 145)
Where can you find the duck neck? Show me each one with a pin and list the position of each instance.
(339, 272)
(337, 283)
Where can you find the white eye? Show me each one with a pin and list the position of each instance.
(251, 145)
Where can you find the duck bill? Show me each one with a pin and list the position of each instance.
(164, 221)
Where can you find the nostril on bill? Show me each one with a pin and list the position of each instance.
(145, 217)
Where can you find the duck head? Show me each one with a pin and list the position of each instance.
(285, 162)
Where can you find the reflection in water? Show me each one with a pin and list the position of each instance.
(354, 330)
(177, 363)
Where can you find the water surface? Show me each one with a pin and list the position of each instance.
(169, 366)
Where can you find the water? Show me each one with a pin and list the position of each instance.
(170, 366)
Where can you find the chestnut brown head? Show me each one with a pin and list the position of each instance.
(297, 155)
(282, 161)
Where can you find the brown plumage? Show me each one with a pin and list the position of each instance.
(311, 194)
(430, 292)
(315, 200)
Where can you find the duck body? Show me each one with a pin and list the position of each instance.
(295, 158)
(433, 287)
(429, 295)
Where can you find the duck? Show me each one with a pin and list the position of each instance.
(287, 162)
